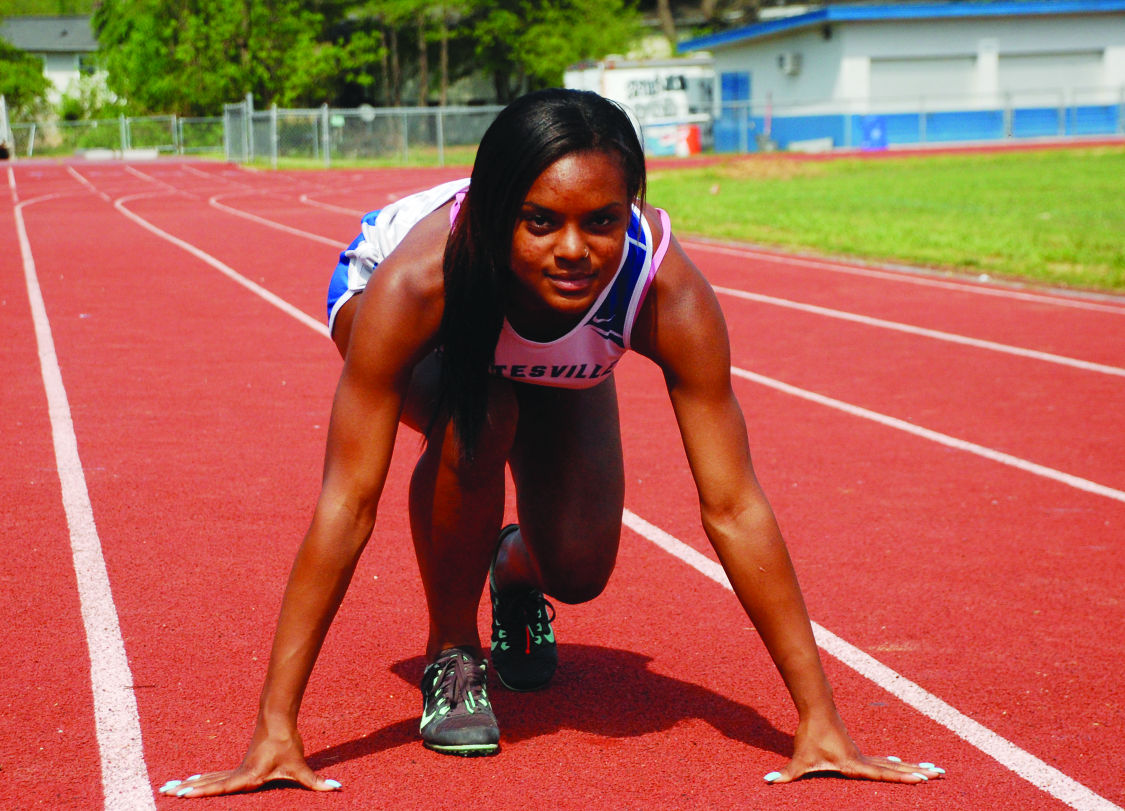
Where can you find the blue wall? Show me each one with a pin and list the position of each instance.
(917, 128)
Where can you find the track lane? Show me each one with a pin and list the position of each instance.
(1094, 335)
(45, 692)
(1022, 406)
(943, 568)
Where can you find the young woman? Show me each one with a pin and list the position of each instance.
(489, 314)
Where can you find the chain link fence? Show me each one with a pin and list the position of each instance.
(443, 135)
(324, 135)
(399, 135)
(122, 136)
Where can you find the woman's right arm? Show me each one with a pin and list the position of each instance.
(394, 328)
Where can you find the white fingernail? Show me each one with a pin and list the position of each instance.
(769, 778)
(894, 759)
(184, 792)
(919, 774)
(333, 783)
(171, 784)
(194, 777)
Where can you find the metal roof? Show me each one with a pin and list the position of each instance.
(903, 11)
(50, 34)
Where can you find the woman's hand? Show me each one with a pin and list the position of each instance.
(267, 759)
(823, 745)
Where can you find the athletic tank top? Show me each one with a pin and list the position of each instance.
(584, 356)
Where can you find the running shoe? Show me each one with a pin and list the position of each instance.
(457, 717)
(524, 652)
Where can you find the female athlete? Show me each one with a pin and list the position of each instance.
(488, 314)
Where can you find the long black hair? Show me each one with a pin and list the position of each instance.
(528, 136)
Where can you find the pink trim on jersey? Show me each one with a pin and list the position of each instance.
(665, 239)
(454, 209)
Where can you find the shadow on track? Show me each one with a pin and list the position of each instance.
(600, 691)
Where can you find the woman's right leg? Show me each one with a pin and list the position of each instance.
(455, 512)
(456, 507)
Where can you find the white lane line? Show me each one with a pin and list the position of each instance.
(171, 189)
(912, 276)
(223, 268)
(950, 337)
(214, 201)
(125, 780)
(12, 186)
(308, 201)
(94, 189)
(1023, 763)
(935, 436)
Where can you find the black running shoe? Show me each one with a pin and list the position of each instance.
(523, 642)
(457, 718)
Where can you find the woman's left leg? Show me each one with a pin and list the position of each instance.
(570, 493)
(570, 490)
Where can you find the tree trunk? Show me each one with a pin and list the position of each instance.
(667, 21)
(423, 60)
(443, 93)
(396, 69)
(385, 69)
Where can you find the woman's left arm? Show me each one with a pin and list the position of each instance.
(681, 328)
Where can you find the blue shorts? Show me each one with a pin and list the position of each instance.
(338, 284)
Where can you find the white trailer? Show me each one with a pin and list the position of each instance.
(670, 99)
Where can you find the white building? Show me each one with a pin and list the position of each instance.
(921, 72)
(65, 44)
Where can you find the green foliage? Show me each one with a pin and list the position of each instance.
(22, 83)
(535, 40)
(44, 8)
(192, 56)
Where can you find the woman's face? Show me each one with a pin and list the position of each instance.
(568, 241)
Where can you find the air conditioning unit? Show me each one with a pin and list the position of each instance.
(789, 63)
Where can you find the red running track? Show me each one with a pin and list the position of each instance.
(944, 458)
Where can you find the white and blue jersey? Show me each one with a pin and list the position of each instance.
(380, 233)
(584, 356)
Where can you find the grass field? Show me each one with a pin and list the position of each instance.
(1055, 216)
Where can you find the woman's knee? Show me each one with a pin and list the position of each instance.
(577, 569)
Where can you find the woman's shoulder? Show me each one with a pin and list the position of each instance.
(414, 267)
(680, 302)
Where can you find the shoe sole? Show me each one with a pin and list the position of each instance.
(465, 750)
(532, 689)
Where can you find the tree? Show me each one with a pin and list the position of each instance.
(527, 44)
(703, 17)
(191, 56)
(22, 83)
